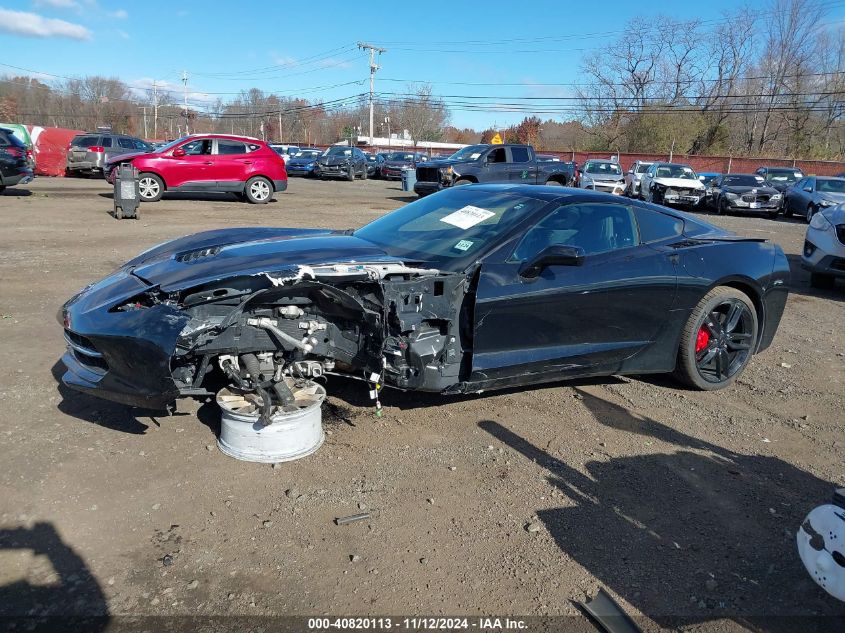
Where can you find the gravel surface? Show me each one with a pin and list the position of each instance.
(679, 503)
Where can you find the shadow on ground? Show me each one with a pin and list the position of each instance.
(692, 536)
(799, 282)
(51, 590)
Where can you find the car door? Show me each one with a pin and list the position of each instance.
(495, 166)
(802, 195)
(648, 178)
(188, 169)
(231, 164)
(521, 169)
(572, 319)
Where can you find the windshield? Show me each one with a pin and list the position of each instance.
(400, 156)
(338, 151)
(742, 181)
(676, 171)
(642, 168)
(451, 228)
(307, 153)
(471, 152)
(831, 185)
(603, 169)
(787, 175)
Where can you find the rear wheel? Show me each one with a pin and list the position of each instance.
(2, 188)
(118, 213)
(258, 190)
(462, 181)
(364, 173)
(717, 340)
(823, 281)
(553, 183)
(150, 187)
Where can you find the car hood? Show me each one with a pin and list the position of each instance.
(301, 161)
(830, 195)
(119, 158)
(604, 177)
(748, 188)
(230, 253)
(681, 183)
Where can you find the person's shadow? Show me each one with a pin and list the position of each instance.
(692, 536)
(64, 598)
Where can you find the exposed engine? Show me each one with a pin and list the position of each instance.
(387, 324)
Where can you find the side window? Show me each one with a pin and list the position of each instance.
(497, 155)
(655, 226)
(106, 142)
(230, 147)
(126, 143)
(252, 147)
(4, 139)
(520, 154)
(141, 145)
(84, 141)
(197, 147)
(596, 228)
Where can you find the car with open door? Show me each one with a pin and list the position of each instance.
(469, 289)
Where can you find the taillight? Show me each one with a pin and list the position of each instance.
(99, 149)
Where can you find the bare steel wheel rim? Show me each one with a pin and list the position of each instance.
(260, 190)
(723, 341)
(148, 187)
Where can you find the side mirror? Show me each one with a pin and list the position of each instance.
(808, 189)
(178, 152)
(555, 255)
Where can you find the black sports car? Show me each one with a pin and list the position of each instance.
(469, 289)
(744, 193)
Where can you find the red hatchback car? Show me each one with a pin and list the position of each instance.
(244, 166)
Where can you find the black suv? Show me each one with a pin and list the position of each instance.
(90, 152)
(14, 168)
(339, 161)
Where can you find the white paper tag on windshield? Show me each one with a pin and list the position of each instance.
(463, 245)
(467, 217)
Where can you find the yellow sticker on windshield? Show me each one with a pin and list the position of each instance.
(467, 217)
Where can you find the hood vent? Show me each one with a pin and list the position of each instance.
(201, 253)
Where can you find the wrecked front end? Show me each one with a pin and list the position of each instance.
(384, 323)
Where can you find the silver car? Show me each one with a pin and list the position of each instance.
(88, 153)
(634, 176)
(824, 247)
(602, 175)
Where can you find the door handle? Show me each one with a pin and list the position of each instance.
(247, 162)
(208, 162)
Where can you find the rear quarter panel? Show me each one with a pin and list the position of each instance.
(760, 269)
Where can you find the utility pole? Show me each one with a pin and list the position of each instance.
(185, 83)
(144, 109)
(373, 68)
(155, 110)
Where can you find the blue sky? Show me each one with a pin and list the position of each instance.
(308, 49)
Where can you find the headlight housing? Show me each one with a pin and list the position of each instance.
(776, 196)
(731, 196)
(827, 203)
(820, 222)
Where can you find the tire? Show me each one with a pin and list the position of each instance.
(151, 187)
(137, 215)
(118, 213)
(722, 207)
(773, 215)
(787, 210)
(461, 182)
(350, 176)
(364, 173)
(811, 211)
(2, 188)
(718, 340)
(553, 183)
(822, 281)
(258, 190)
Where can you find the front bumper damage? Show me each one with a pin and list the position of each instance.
(384, 323)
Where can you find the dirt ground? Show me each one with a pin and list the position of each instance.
(681, 504)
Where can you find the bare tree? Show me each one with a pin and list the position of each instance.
(423, 115)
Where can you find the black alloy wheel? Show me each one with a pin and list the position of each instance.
(718, 339)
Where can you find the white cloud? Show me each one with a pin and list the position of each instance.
(57, 4)
(120, 14)
(34, 25)
(122, 34)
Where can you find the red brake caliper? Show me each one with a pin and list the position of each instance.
(701, 339)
